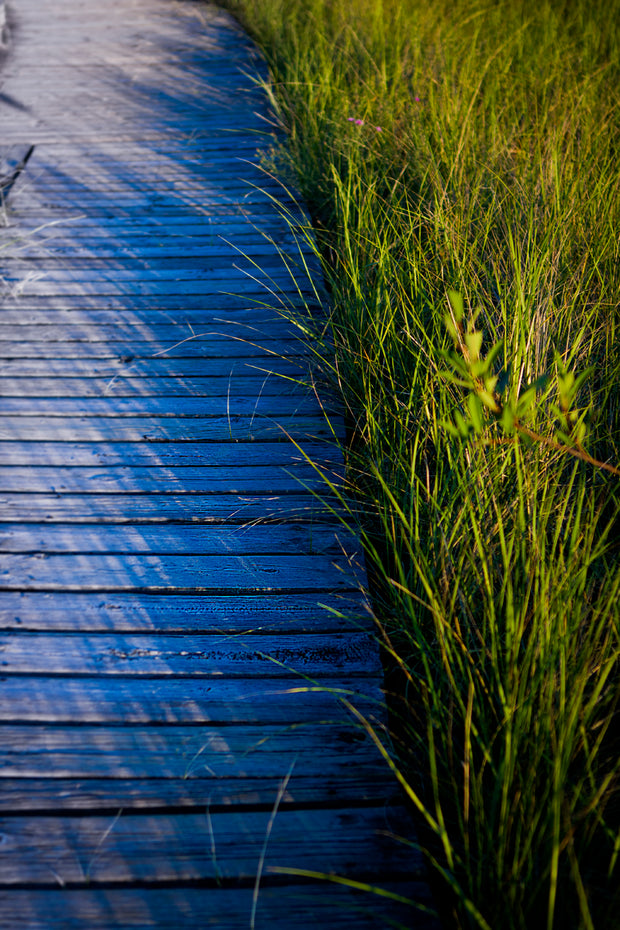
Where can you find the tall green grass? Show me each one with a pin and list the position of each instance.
(482, 169)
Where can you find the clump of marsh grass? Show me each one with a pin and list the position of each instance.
(460, 161)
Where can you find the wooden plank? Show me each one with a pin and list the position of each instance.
(261, 479)
(218, 230)
(168, 508)
(107, 285)
(129, 349)
(218, 429)
(246, 655)
(167, 455)
(114, 367)
(235, 219)
(196, 752)
(231, 190)
(318, 904)
(216, 332)
(252, 385)
(185, 701)
(169, 247)
(42, 795)
(237, 405)
(73, 268)
(137, 319)
(200, 847)
(275, 539)
(273, 613)
(176, 573)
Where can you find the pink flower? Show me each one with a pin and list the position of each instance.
(378, 129)
(358, 122)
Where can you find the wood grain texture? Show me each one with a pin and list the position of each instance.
(185, 633)
(323, 904)
(201, 846)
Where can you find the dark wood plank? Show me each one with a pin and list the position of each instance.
(214, 429)
(48, 611)
(246, 479)
(308, 789)
(136, 318)
(168, 454)
(184, 701)
(199, 847)
(207, 387)
(242, 348)
(279, 406)
(246, 655)
(275, 539)
(261, 479)
(214, 333)
(168, 508)
(197, 752)
(115, 368)
(314, 905)
(182, 574)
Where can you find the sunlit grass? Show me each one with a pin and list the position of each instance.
(472, 147)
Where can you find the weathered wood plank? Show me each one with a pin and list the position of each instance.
(313, 905)
(235, 405)
(275, 539)
(245, 655)
(252, 479)
(234, 428)
(117, 368)
(106, 284)
(176, 573)
(166, 454)
(199, 847)
(182, 752)
(42, 795)
(168, 508)
(133, 330)
(316, 612)
(234, 348)
(261, 479)
(118, 386)
(185, 701)
(136, 319)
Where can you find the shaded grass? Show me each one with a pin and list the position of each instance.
(484, 161)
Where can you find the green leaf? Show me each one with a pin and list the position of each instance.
(463, 426)
(508, 419)
(473, 341)
(454, 379)
(580, 432)
(476, 411)
(449, 323)
(489, 401)
(479, 368)
(456, 302)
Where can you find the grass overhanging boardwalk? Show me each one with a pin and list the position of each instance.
(179, 612)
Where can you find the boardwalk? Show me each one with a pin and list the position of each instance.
(179, 612)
